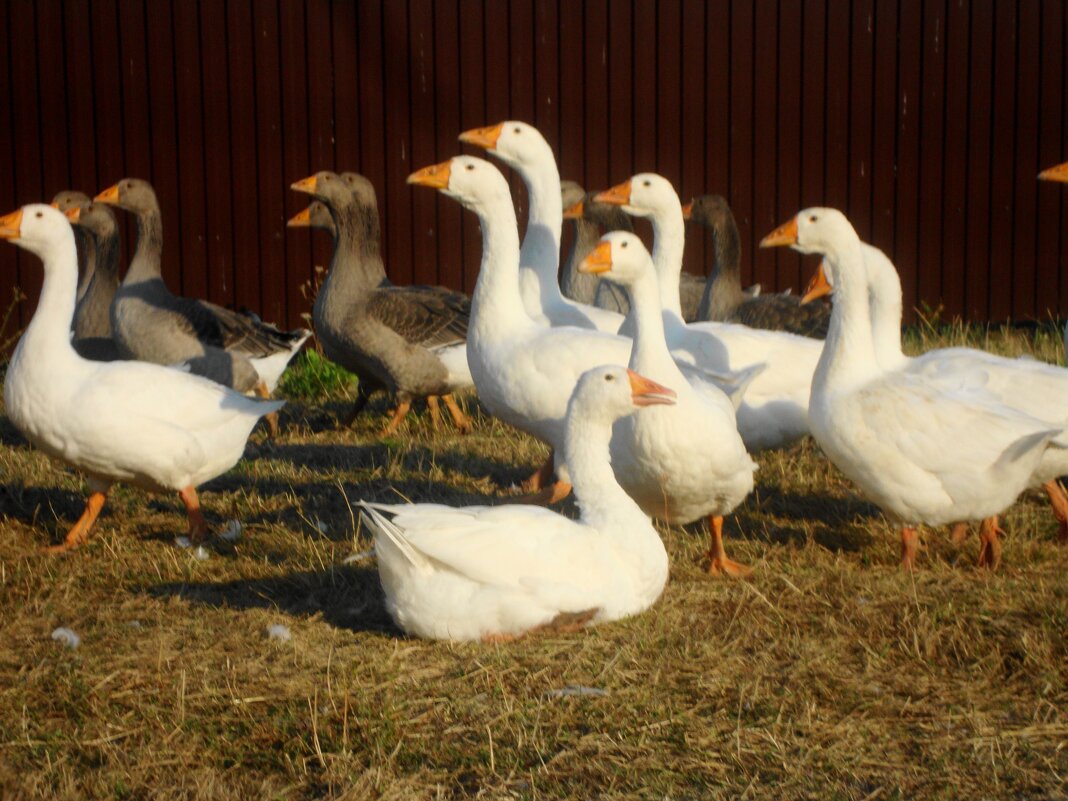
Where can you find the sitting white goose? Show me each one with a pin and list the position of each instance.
(923, 452)
(682, 462)
(523, 370)
(774, 412)
(1031, 386)
(496, 572)
(524, 149)
(158, 428)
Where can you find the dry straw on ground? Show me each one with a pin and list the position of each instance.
(830, 675)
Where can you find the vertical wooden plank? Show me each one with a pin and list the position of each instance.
(55, 165)
(106, 76)
(293, 44)
(81, 109)
(595, 107)
(742, 128)
(472, 114)
(218, 179)
(1002, 166)
(861, 69)
(908, 147)
(1028, 298)
(620, 94)
(572, 153)
(449, 270)
(521, 63)
(692, 131)
(643, 59)
(398, 97)
(929, 264)
(546, 71)
(837, 98)
(372, 164)
(135, 104)
(241, 75)
(717, 98)
(763, 134)
(273, 239)
(322, 132)
(884, 161)
(814, 92)
(977, 278)
(498, 53)
(9, 198)
(424, 233)
(789, 109)
(346, 91)
(1050, 254)
(955, 181)
(668, 95)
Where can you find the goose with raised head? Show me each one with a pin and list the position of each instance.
(922, 451)
(686, 461)
(497, 572)
(774, 412)
(158, 428)
(524, 149)
(152, 324)
(95, 228)
(588, 219)
(1033, 387)
(407, 340)
(725, 301)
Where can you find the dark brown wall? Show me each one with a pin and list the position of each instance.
(926, 121)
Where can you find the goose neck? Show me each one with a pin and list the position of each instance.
(884, 297)
(602, 501)
(145, 265)
(575, 284)
(669, 233)
(357, 246)
(649, 354)
(725, 283)
(848, 357)
(541, 243)
(49, 332)
(496, 304)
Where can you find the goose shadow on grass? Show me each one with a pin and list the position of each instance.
(347, 597)
(50, 509)
(330, 414)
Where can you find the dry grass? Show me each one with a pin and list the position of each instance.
(829, 675)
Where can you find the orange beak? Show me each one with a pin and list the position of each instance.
(306, 185)
(54, 205)
(817, 287)
(645, 392)
(687, 211)
(618, 195)
(301, 219)
(483, 137)
(599, 260)
(574, 212)
(11, 225)
(74, 213)
(785, 234)
(1058, 173)
(436, 176)
(109, 195)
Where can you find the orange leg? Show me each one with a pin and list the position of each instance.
(79, 532)
(272, 419)
(435, 411)
(540, 477)
(910, 541)
(462, 421)
(1059, 501)
(556, 491)
(398, 417)
(718, 563)
(990, 546)
(198, 526)
(959, 533)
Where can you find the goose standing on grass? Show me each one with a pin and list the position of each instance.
(589, 219)
(497, 572)
(686, 461)
(725, 301)
(524, 149)
(94, 224)
(152, 324)
(923, 452)
(1030, 386)
(158, 428)
(409, 340)
(774, 412)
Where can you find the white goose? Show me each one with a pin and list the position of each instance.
(496, 572)
(923, 452)
(774, 412)
(524, 149)
(524, 371)
(159, 428)
(682, 462)
(1033, 387)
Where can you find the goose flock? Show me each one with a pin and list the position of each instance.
(651, 388)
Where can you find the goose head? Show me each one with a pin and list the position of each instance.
(37, 228)
(327, 186)
(1058, 173)
(68, 199)
(606, 215)
(571, 193)
(644, 195)
(711, 211)
(131, 194)
(816, 230)
(316, 215)
(474, 182)
(605, 394)
(621, 257)
(516, 143)
(96, 218)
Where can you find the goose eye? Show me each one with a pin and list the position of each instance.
(647, 183)
(623, 244)
(129, 184)
(518, 130)
(39, 215)
(470, 166)
(609, 377)
(812, 218)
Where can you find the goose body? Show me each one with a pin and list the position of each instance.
(157, 428)
(499, 572)
(774, 411)
(922, 451)
(524, 149)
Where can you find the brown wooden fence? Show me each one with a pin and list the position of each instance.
(926, 121)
